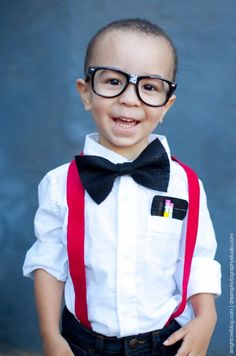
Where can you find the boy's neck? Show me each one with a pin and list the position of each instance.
(130, 152)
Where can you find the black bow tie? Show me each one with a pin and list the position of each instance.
(150, 169)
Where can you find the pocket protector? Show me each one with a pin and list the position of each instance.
(180, 206)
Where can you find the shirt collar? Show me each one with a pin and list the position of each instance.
(94, 148)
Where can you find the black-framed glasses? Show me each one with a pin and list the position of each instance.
(110, 82)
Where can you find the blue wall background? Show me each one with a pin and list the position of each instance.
(43, 124)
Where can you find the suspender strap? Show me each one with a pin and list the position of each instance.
(75, 239)
(191, 233)
(75, 242)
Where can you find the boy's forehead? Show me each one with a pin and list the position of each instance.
(119, 38)
(131, 48)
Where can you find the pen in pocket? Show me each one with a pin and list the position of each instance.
(168, 209)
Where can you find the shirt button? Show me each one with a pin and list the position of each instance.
(133, 343)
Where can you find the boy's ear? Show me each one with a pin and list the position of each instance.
(170, 102)
(85, 93)
(167, 106)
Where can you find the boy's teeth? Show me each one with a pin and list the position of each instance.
(128, 120)
(124, 122)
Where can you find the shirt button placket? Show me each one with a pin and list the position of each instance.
(126, 255)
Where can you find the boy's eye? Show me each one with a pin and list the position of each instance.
(113, 81)
(150, 87)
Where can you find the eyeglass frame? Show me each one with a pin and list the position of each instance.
(133, 79)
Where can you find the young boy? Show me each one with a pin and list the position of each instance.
(133, 254)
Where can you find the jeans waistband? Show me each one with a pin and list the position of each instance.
(76, 333)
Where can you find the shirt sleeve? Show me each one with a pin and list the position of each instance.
(205, 275)
(49, 250)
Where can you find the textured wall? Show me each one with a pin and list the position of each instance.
(43, 124)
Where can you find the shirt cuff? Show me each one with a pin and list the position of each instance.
(51, 258)
(205, 277)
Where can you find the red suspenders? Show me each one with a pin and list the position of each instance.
(75, 242)
(191, 233)
(75, 239)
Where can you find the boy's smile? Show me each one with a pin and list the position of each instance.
(125, 122)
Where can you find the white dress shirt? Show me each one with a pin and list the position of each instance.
(134, 261)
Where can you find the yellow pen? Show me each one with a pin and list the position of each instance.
(167, 208)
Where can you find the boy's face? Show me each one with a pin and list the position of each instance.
(125, 122)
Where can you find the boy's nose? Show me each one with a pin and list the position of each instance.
(129, 96)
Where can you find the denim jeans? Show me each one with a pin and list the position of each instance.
(85, 342)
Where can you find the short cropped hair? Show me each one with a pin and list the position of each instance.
(136, 25)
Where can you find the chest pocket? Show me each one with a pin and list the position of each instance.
(163, 239)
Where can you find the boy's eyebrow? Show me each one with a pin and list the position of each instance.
(151, 74)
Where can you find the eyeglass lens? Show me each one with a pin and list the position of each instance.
(110, 83)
